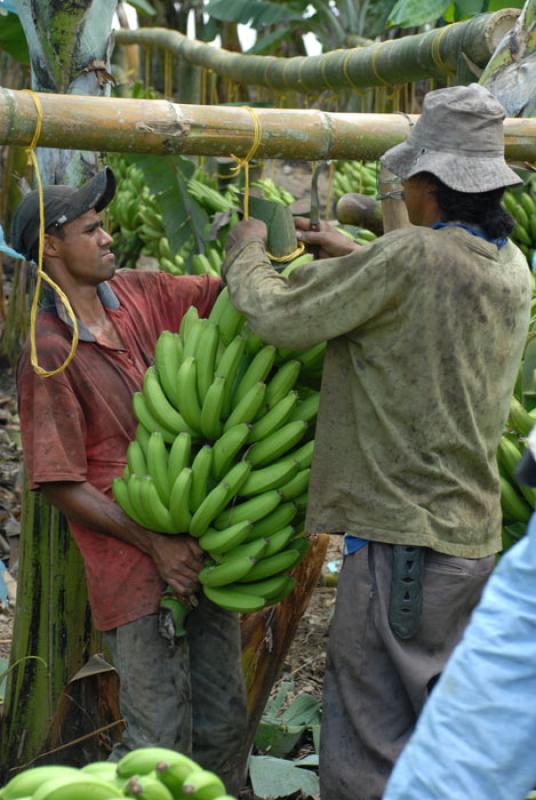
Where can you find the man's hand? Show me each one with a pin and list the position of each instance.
(178, 559)
(247, 229)
(328, 242)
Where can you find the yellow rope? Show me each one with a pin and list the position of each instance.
(289, 257)
(41, 275)
(436, 49)
(243, 163)
(373, 58)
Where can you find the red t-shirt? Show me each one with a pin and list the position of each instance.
(76, 426)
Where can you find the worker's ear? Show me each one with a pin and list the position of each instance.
(51, 246)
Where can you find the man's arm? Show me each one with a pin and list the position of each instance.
(178, 559)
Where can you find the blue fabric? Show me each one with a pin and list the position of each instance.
(4, 247)
(469, 228)
(352, 544)
(476, 736)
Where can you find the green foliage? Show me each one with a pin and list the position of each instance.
(414, 13)
(277, 777)
(12, 38)
(143, 7)
(281, 730)
(257, 13)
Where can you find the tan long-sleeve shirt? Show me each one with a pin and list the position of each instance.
(426, 331)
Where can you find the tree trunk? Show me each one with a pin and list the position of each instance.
(69, 45)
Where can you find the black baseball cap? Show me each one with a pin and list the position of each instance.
(62, 204)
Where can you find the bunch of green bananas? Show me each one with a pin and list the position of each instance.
(521, 204)
(136, 222)
(354, 176)
(148, 773)
(223, 450)
(272, 191)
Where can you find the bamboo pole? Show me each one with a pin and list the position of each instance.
(390, 62)
(164, 128)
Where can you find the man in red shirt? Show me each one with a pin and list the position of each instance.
(76, 427)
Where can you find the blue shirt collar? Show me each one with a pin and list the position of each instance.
(473, 229)
(50, 302)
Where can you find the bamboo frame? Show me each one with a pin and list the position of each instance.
(157, 126)
(387, 63)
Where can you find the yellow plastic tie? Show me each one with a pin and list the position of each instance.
(436, 49)
(41, 275)
(290, 256)
(243, 163)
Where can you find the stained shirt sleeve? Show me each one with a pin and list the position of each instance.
(53, 428)
(320, 300)
(475, 737)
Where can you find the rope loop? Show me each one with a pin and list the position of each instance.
(243, 163)
(41, 274)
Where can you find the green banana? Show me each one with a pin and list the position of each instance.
(195, 334)
(297, 486)
(278, 519)
(121, 497)
(313, 358)
(79, 786)
(236, 477)
(160, 407)
(283, 381)
(271, 477)
(284, 593)
(211, 506)
(211, 410)
(147, 787)
(226, 448)
(233, 601)
(276, 444)
(179, 456)
(136, 503)
(230, 320)
(136, 459)
(146, 759)
(219, 307)
(256, 372)
(228, 571)
(155, 511)
(207, 348)
(304, 455)
(301, 501)
(307, 409)
(520, 419)
(272, 565)
(225, 540)
(157, 466)
(253, 342)
(26, 783)
(103, 770)
(274, 418)
(268, 588)
(167, 358)
(179, 501)
(201, 467)
(187, 399)
(254, 509)
(142, 438)
(173, 775)
(227, 367)
(145, 418)
(187, 322)
(203, 785)
(247, 409)
(508, 455)
(255, 549)
(278, 541)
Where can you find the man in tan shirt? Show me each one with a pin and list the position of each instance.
(425, 330)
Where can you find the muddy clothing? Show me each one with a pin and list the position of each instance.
(426, 330)
(190, 698)
(76, 426)
(376, 684)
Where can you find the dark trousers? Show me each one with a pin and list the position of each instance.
(190, 698)
(376, 684)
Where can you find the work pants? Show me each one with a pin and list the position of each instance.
(376, 684)
(189, 697)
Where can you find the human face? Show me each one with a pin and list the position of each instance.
(420, 200)
(84, 250)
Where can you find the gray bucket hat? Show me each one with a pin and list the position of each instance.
(459, 138)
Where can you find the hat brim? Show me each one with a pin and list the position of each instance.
(458, 172)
